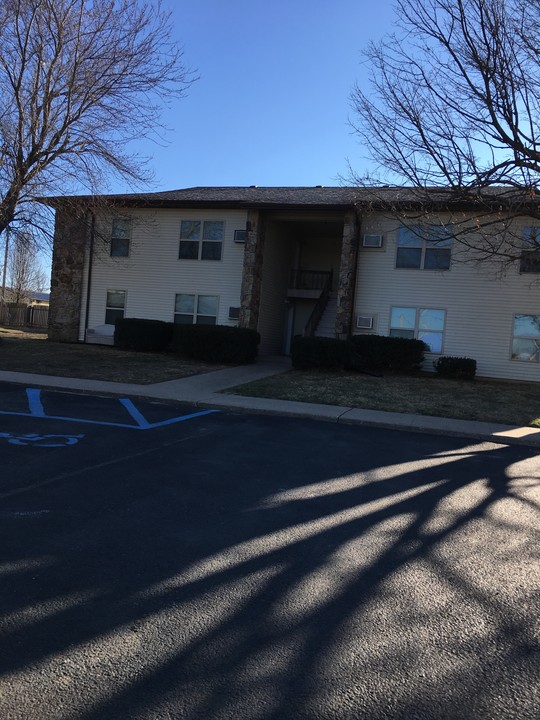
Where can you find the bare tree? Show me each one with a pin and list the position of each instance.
(454, 103)
(25, 273)
(80, 79)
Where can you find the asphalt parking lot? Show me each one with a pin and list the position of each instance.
(159, 561)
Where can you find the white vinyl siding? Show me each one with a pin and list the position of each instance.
(480, 305)
(153, 275)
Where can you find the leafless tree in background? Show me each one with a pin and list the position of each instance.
(79, 80)
(24, 271)
(454, 103)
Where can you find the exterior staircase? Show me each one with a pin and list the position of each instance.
(327, 324)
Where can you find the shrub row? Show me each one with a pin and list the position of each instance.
(458, 368)
(216, 343)
(379, 352)
(210, 343)
(143, 335)
(360, 353)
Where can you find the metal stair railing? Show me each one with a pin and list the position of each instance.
(320, 307)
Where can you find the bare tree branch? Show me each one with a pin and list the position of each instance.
(454, 103)
(80, 79)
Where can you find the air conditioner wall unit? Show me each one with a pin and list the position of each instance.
(239, 236)
(372, 241)
(234, 313)
(364, 322)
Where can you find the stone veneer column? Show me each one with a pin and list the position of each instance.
(70, 234)
(347, 275)
(250, 294)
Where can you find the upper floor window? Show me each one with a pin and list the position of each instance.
(530, 254)
(423, 248)
(422, 323)
(201, 240)
(526, 338)
(120, 237)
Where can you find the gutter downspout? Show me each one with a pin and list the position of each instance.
(359, 219)
(89, 276)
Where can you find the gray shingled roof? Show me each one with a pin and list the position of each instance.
(291, 197)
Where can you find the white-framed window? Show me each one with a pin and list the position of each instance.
(529, 261)
(201, 239)
(120, 236)
(424, 248)
(526, 338)
(115, 306)
(425, 324)
(191, 309)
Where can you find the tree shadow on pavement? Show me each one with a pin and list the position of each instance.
(298, 570)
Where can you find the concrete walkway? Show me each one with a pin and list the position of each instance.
(207, 391)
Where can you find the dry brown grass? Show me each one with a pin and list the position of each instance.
(512, 403)
(30, 351)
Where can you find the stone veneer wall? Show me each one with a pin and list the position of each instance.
(70, 237)
(347, 275)
(250, 294)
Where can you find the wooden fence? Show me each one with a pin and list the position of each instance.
(12, 315)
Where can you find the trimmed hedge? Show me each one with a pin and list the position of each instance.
(359, 353)
(142, 334)
(318, 352)
(457, 368)
(380, 352)
(216, 343)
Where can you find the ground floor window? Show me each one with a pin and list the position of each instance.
(115, 306)
(422, 323)
(526, 338)
(196, 309)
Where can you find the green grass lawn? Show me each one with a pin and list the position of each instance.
(512, 403)
(31, 352)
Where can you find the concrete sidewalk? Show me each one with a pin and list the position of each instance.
(206, 390)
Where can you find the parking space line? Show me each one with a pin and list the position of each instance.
(139, 418)
(34, 402)
(37, 410)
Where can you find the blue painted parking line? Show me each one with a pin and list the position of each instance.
(34, 402)
(36, 409)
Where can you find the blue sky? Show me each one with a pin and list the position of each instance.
(272, 101)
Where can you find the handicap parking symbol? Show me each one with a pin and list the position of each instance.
(41, 440)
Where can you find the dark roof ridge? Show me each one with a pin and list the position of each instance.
(309, 197)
